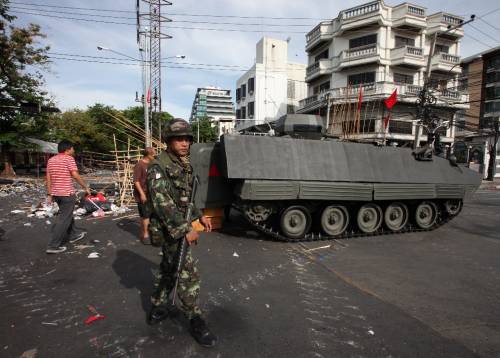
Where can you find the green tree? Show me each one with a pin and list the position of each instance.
(208, 133)
(22, 60)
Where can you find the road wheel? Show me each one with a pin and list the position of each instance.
(396, 216)
(295, 222)
(334, 220)
(369, 218)
(453, 207)
(426, 214)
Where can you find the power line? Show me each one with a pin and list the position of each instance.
(20, 8)
(169, 27)
(484, 33)
(173, 14)
(487, 23)
(481, 42)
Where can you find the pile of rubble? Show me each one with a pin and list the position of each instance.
(17, 188)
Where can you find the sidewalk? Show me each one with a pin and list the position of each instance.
(490, 185)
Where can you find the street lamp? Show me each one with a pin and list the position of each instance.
(102, 48)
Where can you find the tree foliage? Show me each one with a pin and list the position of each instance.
(208, 133)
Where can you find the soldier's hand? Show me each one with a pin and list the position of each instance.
(206, 223)
(192, 237)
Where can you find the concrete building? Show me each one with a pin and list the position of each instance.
(216, 104)
(272, 87)
(477, 132)
(381, 48)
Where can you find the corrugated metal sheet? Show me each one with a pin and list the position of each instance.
(335, 191)
(268, 190)
(450, 191)
(404, 191)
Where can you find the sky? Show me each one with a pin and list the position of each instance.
(78, 84)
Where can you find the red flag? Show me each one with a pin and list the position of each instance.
(360, 98)
(391, 101)
(386, 120)
(148, 96)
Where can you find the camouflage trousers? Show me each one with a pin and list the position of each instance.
(188, 289)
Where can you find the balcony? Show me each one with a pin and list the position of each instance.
(444, 62)
(360, 56)
(407, 56)
(409, 17)
(318, 69)
(380, 90)
(320, 34)
(439, 23)
(360, 16)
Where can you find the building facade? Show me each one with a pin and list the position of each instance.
(479, 124)
(272, 87)
(376, 49)
(215, 104)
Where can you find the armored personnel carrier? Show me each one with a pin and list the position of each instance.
(297, 185)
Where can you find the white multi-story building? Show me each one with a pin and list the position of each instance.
(272, 87)
(215, 104)
(382, 48)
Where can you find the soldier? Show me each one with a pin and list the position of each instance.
(169, 183)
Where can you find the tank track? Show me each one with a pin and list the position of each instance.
(274, 234)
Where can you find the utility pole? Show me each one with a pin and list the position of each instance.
(425, 99)
(152, 36)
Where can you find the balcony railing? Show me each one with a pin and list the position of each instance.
(407, 92)
(312, 68)
(416, 11)
(451, 20)
(361, 10)
(313, 33)
(407, 50)
(358, 52)
(445, 57)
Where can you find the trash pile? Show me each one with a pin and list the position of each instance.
(17, 188)
(43, 210)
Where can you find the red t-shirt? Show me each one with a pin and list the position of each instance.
(59, 167)
(140, 175)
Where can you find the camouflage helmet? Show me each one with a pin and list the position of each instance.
(177, 127)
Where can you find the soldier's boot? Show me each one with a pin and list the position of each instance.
(157, 314)
(201, 333)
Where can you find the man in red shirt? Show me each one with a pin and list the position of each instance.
(141, 191)
(61, 169)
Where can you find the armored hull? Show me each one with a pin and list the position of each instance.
(304, 189)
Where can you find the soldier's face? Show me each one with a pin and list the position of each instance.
(180, 145)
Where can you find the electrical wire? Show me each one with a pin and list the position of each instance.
(484, 33)
(487, 23)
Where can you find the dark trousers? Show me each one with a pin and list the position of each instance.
(64, 227)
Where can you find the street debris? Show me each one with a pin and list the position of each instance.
(27, 224)
(48, 222)
(319, 248)
(96, 316)
(371, 332)
(93, 255)
(235, 254)
(267, 306)
(17, 211)
(50, 324)
(32, 353)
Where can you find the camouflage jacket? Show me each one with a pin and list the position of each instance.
(169, 188)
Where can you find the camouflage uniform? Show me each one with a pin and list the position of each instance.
(169, 188)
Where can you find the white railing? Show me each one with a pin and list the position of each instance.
(407, 50)
(312, 68)
(361, 10)
(416, 11)
(307, 101)
(445, 57)
(323, 28)
(362, 51)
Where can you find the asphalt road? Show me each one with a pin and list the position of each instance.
(433, 294)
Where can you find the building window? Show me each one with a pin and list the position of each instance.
(243, 91)
(493, 63)
(290, 89)
(404, 41)
(325, 86)
(251, 85)
(402, 78)
(243, 113)
(290, 109)
(492, 92)
(363, 41)
(492, 107)
(361, 78)
(493, 77)
(238, 94)
(322, 55)
(238, 114)
(400, 127)
(441, 49)
(250, 108)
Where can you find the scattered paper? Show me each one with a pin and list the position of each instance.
(371, 332)
(27, 224)
(17, 211)
(48, 222)
(267, 306)
(93, 255)
(235, 254)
